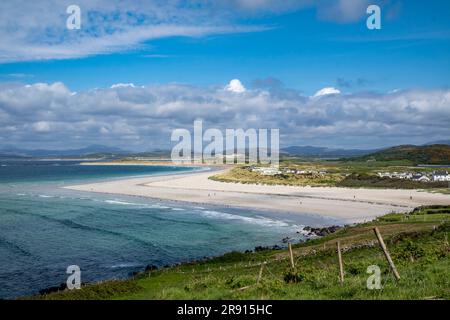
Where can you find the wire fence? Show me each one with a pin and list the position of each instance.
(276, 269)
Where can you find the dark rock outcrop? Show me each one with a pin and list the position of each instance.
(321, 232)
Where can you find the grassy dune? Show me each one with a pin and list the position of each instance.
(418, 244)
(243, 175)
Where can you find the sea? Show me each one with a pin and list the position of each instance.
(45, 228)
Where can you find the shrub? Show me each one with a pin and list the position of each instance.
(291, 276)
(410, 251)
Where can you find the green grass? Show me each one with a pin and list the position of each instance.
(418, 245)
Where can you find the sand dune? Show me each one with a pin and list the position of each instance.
(351, 205)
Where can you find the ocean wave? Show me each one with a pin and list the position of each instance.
(137, 204)
(303, 232)
(126, 265)
(124, 203)
(45, 196)
(158, 206)
(263, 221)
(178, 209)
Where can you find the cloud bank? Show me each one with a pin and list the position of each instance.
(143, 117)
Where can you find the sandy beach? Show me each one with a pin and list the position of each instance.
(350, 205)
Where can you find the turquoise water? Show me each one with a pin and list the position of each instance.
(45, 228)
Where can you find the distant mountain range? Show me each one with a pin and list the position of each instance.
(306, 151)
(323, 152)
(36, 153)
(108, 151)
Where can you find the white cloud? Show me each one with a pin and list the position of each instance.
(326, 91)
(123, 85)
(49, 115)
(343, 10)
(41, 126)
(236, 86)
(36, 30)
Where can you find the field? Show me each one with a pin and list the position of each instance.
(418, 244)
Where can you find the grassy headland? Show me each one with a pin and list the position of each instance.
(418, 243)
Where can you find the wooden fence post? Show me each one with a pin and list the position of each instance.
(291, 255)
(386, 253)
(260, 272)
(341, 265)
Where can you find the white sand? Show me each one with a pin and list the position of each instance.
(351, 205)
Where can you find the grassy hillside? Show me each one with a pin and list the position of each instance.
(418, 243)
(438, 154)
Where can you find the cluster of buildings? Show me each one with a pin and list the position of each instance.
(305, 172)
(266, 171)
(270, 171)
(436, 176)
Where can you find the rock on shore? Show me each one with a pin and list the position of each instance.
(321, 232)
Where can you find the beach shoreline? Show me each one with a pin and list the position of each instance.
(344, 204)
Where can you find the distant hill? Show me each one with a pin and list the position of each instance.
(438, 142)
(427, 154)
(323, 152)
(90, 150)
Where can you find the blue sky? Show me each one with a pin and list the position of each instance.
(301, 46)
(306, 53)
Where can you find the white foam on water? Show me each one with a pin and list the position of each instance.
(259, 220)
(45, 196)
(21, 194)
(144, 205)
(303, 232)
(123, 203)
(157, 206)
(126, 265)
(135, 204)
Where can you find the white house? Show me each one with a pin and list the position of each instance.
(384, 174)
(441, 176)
(267, 171)
(424, 179)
